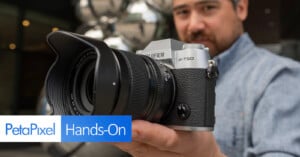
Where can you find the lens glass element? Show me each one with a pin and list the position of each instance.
(82, 84)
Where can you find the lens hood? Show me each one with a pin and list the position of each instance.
(69, 48)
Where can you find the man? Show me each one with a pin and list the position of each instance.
(257, 97)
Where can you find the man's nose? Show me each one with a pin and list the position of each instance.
(196, 22)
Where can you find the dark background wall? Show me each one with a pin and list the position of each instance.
(24, 55)
(273, 21)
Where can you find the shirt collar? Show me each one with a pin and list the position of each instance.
(237, 50)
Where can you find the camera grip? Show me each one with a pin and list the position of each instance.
(193, 108)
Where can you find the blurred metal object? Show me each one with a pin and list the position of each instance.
(117, 42)
(84, 12)
(93, 31)
(141, 25)
(109, 8)
(163, 6)
(100, 11)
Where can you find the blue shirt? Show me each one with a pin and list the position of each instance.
(257, 102)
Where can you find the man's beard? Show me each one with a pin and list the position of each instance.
(201, 37)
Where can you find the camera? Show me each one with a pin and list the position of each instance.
(169, 82)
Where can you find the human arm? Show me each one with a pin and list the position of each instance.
(276, 123)
(151, 139)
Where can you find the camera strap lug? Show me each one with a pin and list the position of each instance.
(212, 70)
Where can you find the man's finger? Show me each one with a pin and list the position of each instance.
(162, 137)
(137, 149)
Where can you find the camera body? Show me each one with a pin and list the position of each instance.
(194, 74)
(169, 82)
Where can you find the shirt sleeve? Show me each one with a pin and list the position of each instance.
(275, 130)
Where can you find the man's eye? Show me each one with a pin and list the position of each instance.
(207, 8)
(182, 12)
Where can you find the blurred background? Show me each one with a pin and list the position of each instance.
(124, 24)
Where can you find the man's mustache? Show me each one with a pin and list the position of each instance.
(196, 36)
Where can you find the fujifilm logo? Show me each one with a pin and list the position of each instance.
(157, 54)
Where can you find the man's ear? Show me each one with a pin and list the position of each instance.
(242, 9)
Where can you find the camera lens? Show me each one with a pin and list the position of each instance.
(88, 78)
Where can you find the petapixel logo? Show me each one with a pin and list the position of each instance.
(32, 129)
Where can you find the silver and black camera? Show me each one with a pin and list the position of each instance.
(169, 82)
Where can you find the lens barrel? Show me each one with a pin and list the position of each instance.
(90, 78)
(143, 87)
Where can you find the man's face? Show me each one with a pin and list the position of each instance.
(214, 23)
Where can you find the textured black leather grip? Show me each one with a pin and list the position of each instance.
(196, 92)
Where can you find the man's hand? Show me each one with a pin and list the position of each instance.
(151, 139)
